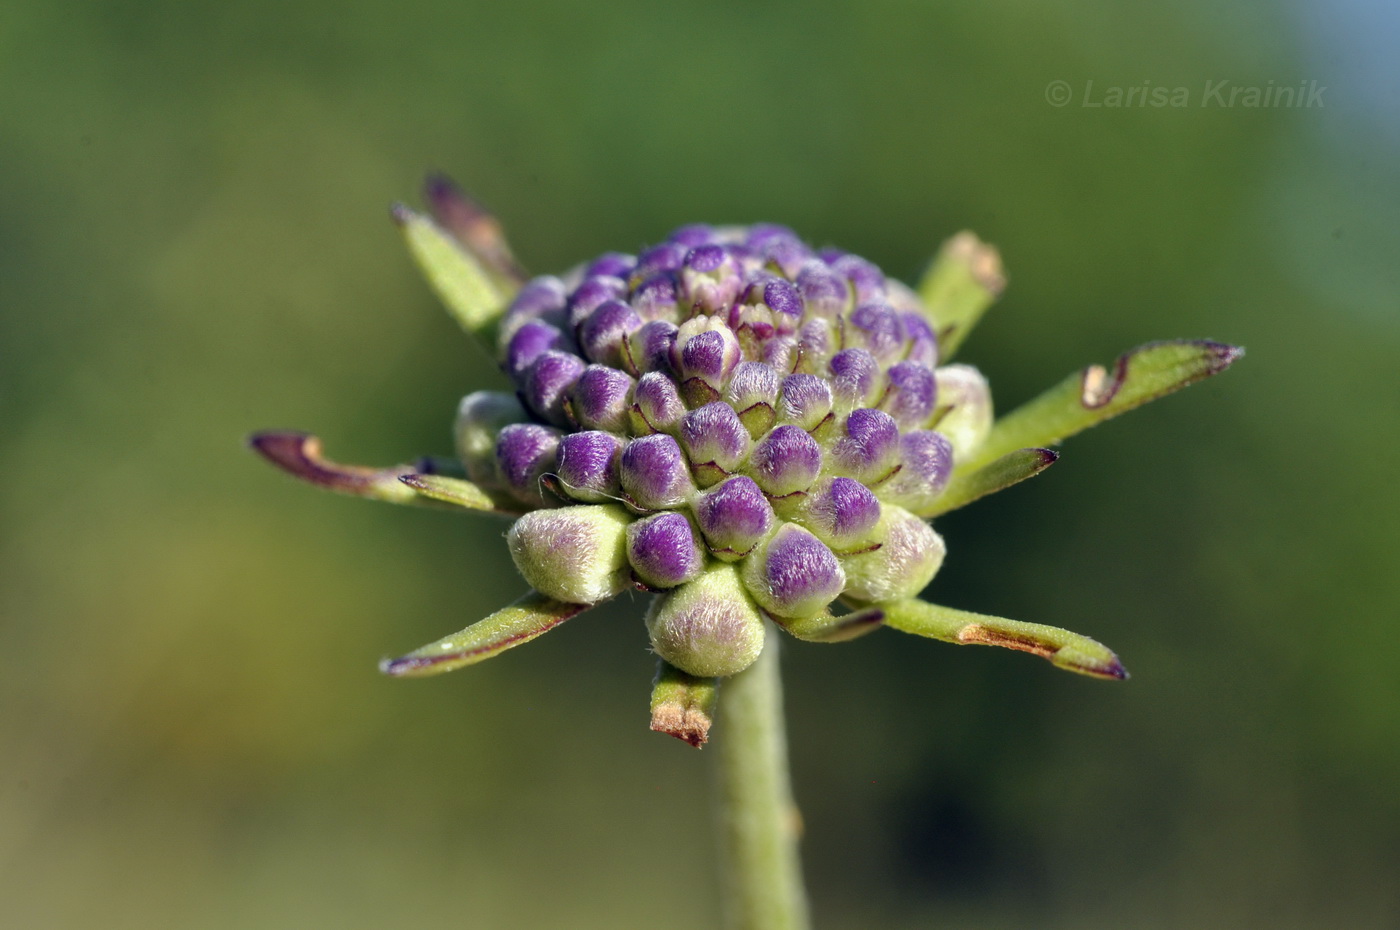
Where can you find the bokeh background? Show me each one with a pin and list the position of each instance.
(194, 243)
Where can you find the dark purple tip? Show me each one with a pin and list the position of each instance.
(805, 400)
(540, 297)
(660, 259)
(760, 235)
(587, 466)
(602, 332)
(782, 297)
(528, 343)
(867, 280)
(602, 398)
(714, 436)
(786, 461)
(752, 383)
(817, 339)
(696, 234)
(654, 473)
(649, 348)
(923, 344)
(709, 356)
(855, 373)
(926, 462)
(547, 383)
(524, 453)
(733, 516)
(664, 550)
(870, 448)
(706, 258)
(788, 255)
(910, 394)
(658, 403)
(880, 328)
(843, 512)
(591, 294)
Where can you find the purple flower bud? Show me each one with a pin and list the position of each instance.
(587, 466)
(603, 332)
(926, 461)
(548, 381)
(824, 294)
(573, 554)
(786, 461)
(649, 348)
(787, 255)
(709, 627)
(909, 395)
(602, 399)
(480, 419)
(656, 299)
(705, 353)
(654, 474)
(696, 234)
(782, 297)
(842, 513)
(543, 297)
(734, 517)
(923, 344)
(781, 352)
(908, 556)
(591, 294)
(656, 405)
(760, 235)
(867, 281)
(805, 401)
(524, 453)
(793, 574)
(965, 407)
(664, 550)
(870, 449)
(818, 339)
(529, 342)
(879, 327)
(612, 265)
(855, 375)
(716, 441)
(753, 391)
(711, 279)
(659, 259)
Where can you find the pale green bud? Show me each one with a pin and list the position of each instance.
(573, 554)
(708, 627)
(910, 554)
(480, 418)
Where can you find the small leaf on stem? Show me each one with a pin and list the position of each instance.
(531, 616)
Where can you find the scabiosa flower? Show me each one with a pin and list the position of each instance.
(746, 428)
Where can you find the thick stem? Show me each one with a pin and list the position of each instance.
(762, 872)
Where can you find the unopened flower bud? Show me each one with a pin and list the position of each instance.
(548, 381)
(867, 280)
(710, 278)
(843, 513)
(587, 468)
(709, 627)
(925, 464)
(573, 554)
(965, 406)
(910, 394)
(524, 453)
(542, 298)
(529, 342)
(664, 550)
(734, 517)
(658, 260)
(869, 450)
(753, 393)
(715, 440)
(656, 405)
(823, 293)
(480, 418)
(855, 376)
(705, 353)
(879, 327)
(909, 555)
(602, 399)
(786, 461)
(656, 299)
(805, 400)
(612, 264)
(593, 293)
(654, 473)
(603, 333)
(793, 573)
(923, 343)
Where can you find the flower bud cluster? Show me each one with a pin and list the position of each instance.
(731, 418)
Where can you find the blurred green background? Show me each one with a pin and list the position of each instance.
(194, 243)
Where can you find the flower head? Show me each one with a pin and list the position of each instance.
(746, 427)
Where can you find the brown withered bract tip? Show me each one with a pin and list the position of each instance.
(684, 723)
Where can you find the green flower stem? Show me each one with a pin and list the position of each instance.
(762, 871)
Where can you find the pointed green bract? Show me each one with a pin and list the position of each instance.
(469, 293)
(961, 283)
(531, 616)
(1095, 394)
(968, 486)
(683, 705)
(478, 231)
(1067, 650)
(450, 491)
